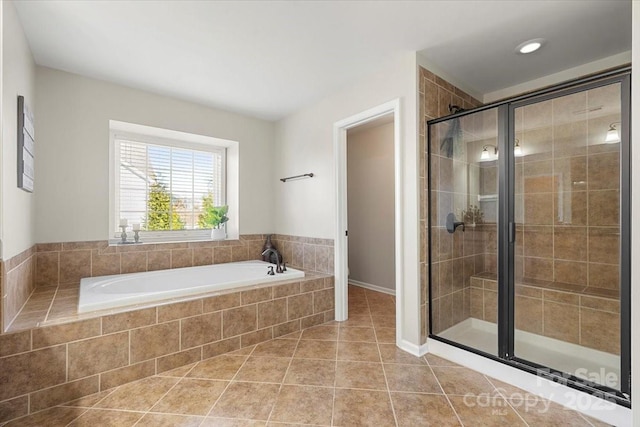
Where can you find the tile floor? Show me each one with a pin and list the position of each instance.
(337, 374)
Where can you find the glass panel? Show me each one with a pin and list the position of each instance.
(464, 190)
(567, 193)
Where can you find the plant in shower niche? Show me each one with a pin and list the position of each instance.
(472, 215)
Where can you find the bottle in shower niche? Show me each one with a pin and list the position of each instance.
(270, 257)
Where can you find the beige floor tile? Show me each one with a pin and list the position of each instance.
(191, 397)
(392, 354)
(178, 372)
(323, 333)
(411, 378)
(358, 351)
(386, 335)
(264, 369)
(54, 417)
(364, 375)
(316, 350)
(252, 401)
(494, 412)
(218, 368)
(358, 320)
(434, 360)
(357, 334)
(359, 309)
(362, 408)
(90, 400)
(139, 395)
(246, 351)
(106, 417)
(311, 372)
(292, 336)
(231, 422)
(462, 381)
(511, 392)
(388, 321)
(304, 405)
(166, 420)
(275, 348)
(544, 413)
(413, 410)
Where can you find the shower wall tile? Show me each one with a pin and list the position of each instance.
(570, 272)
(58, 363)
(605, 276)
(604, 245)
(604, 208)
(604, 171)
(570, 243)
(457, 250)
(528, 314)
(562, 322)
(538, 241)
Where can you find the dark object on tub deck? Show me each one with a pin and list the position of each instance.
(271, 257)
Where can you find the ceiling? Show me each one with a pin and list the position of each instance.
(270, 58)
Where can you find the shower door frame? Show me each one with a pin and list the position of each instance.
(506, 227)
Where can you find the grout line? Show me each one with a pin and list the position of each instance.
(283, 378)
(230, 380)
(443, 392)
(495, 389)
(384, 371)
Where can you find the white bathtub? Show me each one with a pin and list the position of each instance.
(98, 293)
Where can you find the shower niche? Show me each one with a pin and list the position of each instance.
(536, 272)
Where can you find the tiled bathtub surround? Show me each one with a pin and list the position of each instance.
(46, 366)
(307, 253)
(435, 97)
(17, 282)
(58, 268)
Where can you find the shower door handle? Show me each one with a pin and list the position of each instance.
(512, 232)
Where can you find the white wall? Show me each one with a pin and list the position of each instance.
(635, 211)
(304, 143)
(18, 78)
(72, 163)
(370, 190)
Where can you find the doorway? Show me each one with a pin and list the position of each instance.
(370, 205)
(341, 257)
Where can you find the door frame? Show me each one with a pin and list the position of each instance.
(341, 253)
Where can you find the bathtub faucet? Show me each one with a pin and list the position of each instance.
(277, 254)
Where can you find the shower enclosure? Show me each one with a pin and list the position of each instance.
(529, 232)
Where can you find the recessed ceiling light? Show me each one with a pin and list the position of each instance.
(530, 46)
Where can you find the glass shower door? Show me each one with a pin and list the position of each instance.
(463, 201)
(567, 219)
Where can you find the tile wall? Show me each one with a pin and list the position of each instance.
(17, 282)
(43, 367)
(568, 189)
(571, 317)
(454, 255)
(52, 264)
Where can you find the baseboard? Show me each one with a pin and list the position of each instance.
(372, 287)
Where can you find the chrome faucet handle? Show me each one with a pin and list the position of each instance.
(284, 266)
(270, 272)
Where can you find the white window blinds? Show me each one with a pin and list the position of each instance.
(164, 187)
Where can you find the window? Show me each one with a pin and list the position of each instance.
(165, 184)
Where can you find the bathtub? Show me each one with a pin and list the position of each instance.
(104, 292)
